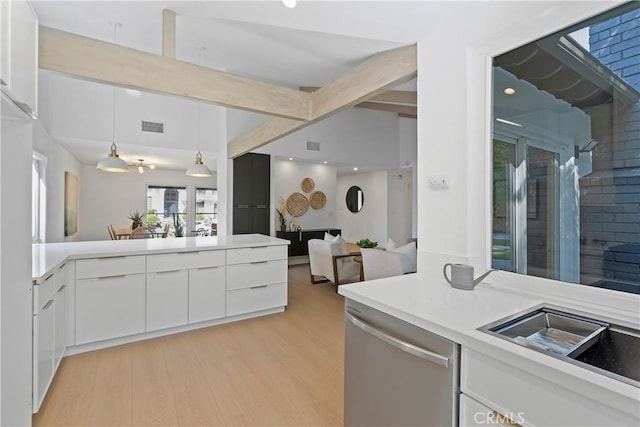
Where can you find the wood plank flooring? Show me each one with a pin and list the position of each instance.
(282, 369)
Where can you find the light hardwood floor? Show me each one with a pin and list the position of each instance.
(282, 369)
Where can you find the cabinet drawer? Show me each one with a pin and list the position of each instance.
(258, 253)
(254, 299)
(43, 292)
(184, 260)
(109, 266)
(241, 276)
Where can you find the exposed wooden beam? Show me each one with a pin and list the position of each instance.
(394, 108)
(371, 78)
(168, 33)
(408, 116)
(398, 96)
(368, 79)
(121, 66)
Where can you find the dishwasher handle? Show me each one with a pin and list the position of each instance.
(397, 343)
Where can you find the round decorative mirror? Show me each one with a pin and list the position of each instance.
(355, 199)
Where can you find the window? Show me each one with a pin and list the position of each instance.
(206, 212)
(38, 197)
(167, 206)
(566, 154)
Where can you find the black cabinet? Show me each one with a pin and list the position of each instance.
(251, 193)
(300, 239)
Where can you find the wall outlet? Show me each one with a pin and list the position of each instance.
(438, 182)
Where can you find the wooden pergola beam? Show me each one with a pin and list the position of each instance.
(374, 76)
(397, 96)
(168, 33)
(121, 66)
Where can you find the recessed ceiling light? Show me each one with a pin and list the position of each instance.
(152, 166)
(325, 162)
(509, 91)
(355, 169)
(289, 3)
(290, 158)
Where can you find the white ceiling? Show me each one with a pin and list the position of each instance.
(306, 46)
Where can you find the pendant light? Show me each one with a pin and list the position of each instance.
(113, 162)
(198, 169)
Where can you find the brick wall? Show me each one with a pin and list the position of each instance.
(610, 196)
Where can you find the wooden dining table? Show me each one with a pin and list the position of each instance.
(125, 233)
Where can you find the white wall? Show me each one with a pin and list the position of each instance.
(371, 222)
(59, 161)
(353, 136)
(15, 271)
(400, 205)
(287, 178)
(454, 224)
(108, 198)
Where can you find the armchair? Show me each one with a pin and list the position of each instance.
(328, 260)
(377, 264)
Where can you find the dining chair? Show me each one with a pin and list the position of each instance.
(141, 233)
(112, 232)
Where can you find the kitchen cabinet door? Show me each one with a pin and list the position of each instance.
(109, 307)
(60, 326)
(167, 299)
(43, 352)
(207, 294)
(260, 179)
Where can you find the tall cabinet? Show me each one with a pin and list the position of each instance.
(251, 193)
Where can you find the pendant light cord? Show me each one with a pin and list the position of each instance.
(116, 25)
(202, 48)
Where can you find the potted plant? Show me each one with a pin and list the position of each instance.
(366, 243)
(177, 225)
(136, 218)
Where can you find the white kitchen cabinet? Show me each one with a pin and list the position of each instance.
(256, 298)
(43, 351)
(167, 299)
(529, 399)
(60, 326)
(256, 279)
(19, 55)
(475, 414)
(109, 307)
(207, 292)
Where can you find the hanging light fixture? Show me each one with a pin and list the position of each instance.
(113, 162)
(198, 169)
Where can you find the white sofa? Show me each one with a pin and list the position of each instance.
(394, 261)
(330, 260)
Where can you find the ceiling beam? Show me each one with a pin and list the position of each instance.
(372, 77)
(168, 33)
(406, 110)
(121, 66)
(397, 96)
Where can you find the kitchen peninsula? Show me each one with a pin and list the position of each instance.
(91, 295)
(499, 379)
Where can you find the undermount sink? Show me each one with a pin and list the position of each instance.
(603, 346)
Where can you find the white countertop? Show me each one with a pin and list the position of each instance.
(430, 303)
(48, 256)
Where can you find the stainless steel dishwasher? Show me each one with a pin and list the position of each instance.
(396, 373)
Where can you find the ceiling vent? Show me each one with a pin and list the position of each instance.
(313, 146)
(152, 127)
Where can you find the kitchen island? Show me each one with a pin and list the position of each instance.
(500, 379)
(91, 295)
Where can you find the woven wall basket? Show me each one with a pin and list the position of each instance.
(317, 200)
(307, 185)
(297, 204)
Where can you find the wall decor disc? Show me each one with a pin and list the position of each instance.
(297, 204)
(307, 185)
(317, 200)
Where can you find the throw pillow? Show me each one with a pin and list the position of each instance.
(342, 243)
(410, 259)
(328, 236)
